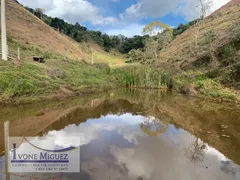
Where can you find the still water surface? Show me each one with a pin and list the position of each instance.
(140, 135)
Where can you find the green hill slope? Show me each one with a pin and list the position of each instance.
(212, 46)
(67, 69)
(28, 30)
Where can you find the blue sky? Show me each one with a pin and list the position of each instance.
(127, 17)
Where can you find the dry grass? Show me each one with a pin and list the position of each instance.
(28, 30)
(182, 51)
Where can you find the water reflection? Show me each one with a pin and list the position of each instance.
(117, 147)
(196, 150)
(153, 126)
(125, 137)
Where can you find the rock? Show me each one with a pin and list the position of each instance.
(224, 126)
(224, 135)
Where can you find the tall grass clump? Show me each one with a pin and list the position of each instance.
(142, 77)
(228, 51)
(199, 83)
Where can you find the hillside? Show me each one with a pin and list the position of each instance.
(67, 69)
(210, 45)
(231, 3)
(28, 30)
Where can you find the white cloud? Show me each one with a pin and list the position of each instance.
(132, 13)
(157, 8)
(162, 157)
(91, 130)
(72, 10)
(126, 30)
(84, 11)
(191, 9)
(87, 133)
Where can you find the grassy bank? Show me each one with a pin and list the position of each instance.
(193, 83)
(27, 80)
(198, 83)
(58, 76)
(53, 78)
(31, 80)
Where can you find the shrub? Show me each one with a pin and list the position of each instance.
(209, 37)
(135, 55)
(143, 76)
(228, 51)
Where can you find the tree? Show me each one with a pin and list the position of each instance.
(107, 43)
(81, 34)
(196, 151)
(136, 42)
(153, 126)
(58, 24)
(154, 29)
(39, 12)
(29, 9)
(204, 6)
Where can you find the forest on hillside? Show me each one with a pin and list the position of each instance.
(81, 34)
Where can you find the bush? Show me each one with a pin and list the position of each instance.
(209, 37)
(228, 51)
(143, 77)
(135, 55)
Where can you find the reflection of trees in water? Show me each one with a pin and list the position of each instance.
(153, 126)
(196, 151)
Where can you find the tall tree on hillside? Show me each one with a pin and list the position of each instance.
(153, 30)
(205, 7)
(39, 12)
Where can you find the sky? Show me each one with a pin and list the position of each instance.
(126, 17)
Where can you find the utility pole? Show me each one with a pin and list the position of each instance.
(19, 57)
(92, 57)
(6, 144)
(4, 31)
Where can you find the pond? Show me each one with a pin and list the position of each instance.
(136, 135)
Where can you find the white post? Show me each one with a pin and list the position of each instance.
(4, 31)
(19, 58)
(6, 136)
(92, 57)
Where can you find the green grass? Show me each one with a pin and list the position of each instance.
(203, 85)
(82, 75)
(141, 76)
(228, 51)
(31, 80)
(100, 56)
(27, 79)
